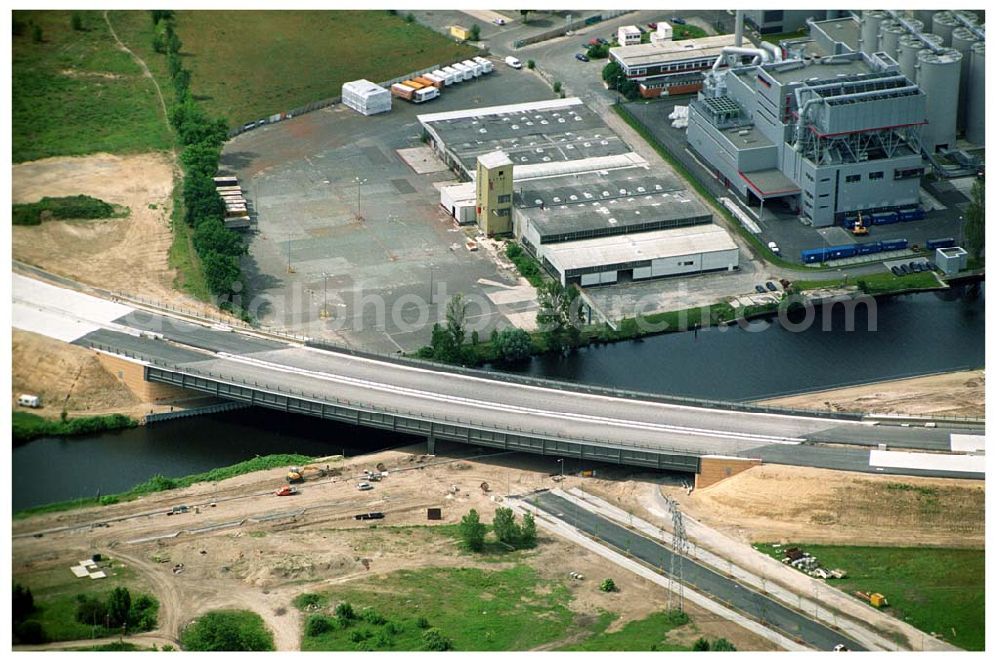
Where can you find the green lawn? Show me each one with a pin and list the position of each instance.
(935, 590)
(27, 426)
(247, 65)
(56, 589)
(74, 92)
(509, 609)
(647, 634)
(880, 283)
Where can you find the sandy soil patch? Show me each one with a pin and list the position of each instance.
(71, 378)
(127, 255)
(960, 393)
(278, 548)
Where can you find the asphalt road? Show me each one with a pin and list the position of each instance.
(725, 590)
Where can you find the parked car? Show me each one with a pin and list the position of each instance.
(896, 271)
(651, 26)
(678, 21)
(499, 21)
(905, 269)
(512, 62)
(602, 40)
(916, 267)
(582, 57)
(594, 42)
(364, 486)
(774, 248)
(760, 289)
(771, 286)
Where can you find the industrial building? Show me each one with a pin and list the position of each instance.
(827, 138)
(783, 21)
(943, 52)
(669, 67)
(557, 179)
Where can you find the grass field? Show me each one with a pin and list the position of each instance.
(935, 590)
(55, 590)
(510, 609)
(26, 427)
(74, 92)
(250, 64)
(69, 207)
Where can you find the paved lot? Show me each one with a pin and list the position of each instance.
(378, 273)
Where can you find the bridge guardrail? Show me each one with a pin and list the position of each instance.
(403, 413)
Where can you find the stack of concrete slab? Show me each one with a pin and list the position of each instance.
(366, 97)
(87, 568)
(237, 217)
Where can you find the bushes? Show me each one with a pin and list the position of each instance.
(435, 641)
(118, 610)
(472, 531)
(511, 345)
(526, 265)
(609, 586)
(76, 206)
(227, 630)
(27, 426)
(317, 625)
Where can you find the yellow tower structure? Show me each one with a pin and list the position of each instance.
(494, 193)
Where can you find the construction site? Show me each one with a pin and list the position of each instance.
(350, 527)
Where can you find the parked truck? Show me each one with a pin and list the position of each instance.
(429, 81)
(412, 94)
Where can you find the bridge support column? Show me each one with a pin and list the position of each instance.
(430, 444)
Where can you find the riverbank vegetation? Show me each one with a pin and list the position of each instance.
(941, 591)
(160, 483)
(26, 426)
(69, 207)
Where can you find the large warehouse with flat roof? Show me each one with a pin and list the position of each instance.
(590, 209)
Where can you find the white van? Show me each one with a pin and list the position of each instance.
(26, 400)
(774, 247)
(512, 62)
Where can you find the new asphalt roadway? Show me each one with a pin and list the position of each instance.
(755, 605)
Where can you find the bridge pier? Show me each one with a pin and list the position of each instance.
(430, 444)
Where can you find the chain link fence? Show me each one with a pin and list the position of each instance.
(569, 27)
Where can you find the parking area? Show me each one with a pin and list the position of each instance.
(346, 225)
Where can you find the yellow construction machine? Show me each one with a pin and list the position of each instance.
(301, 474)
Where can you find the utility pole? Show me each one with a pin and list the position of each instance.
(290, 270)
(360, 182)
(679, 549)
(325, 312)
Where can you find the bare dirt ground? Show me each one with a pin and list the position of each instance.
(820, 506)
(70, 378)
(954, 394)
(267, 550)
(123, 254)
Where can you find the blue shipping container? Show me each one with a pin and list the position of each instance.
(946, 242)
(885, 218)
(813, 255)
(869, 248)
(911, 214)
(837, 252)
(894, 244)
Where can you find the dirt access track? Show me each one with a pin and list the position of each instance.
(125, 254)
(257, 551)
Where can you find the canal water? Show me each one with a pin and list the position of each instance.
(916, 334)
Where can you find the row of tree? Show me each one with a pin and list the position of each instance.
(506, 529)
(202, 138)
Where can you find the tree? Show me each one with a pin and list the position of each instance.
(975, 221)
(36, 33)
(174, 43)
(505, 527)
(211, 235)
(410, 17)
(227, 631)
(723, 645)
(512, 345)
(560, 315)
(556, 86)
(609, 586)
(701, 645)
(345, 611)
(23, 603)
(524, 14)
(201, 159)
(182, 84)
(472, 531)
(222, 272)
(159, 45)
(616, 79)
(76, 21)
(317, 625)
(529, 534)
(119, 606)
(474, 32)
(531, 64)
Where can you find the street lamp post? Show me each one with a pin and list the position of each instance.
(326, 311)
(561, 467)
(359, 182)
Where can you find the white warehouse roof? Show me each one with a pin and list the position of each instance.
(364, 88)
(635, 247)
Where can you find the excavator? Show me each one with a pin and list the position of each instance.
(300, 474)
(859, 229)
